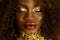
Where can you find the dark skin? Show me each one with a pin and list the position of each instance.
(5, 7)
(28, 11)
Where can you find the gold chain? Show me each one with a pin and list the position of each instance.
(35, 36)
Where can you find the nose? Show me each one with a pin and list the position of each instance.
(29, 15)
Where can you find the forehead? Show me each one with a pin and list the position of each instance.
(27, 2)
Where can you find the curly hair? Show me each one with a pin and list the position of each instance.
(8, 26)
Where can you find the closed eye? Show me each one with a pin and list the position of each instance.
(21, 9)
(37, 9)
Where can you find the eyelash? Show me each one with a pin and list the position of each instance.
(37, 11)
(25, 11)
(19, 10)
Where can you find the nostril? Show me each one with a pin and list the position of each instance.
(29, 17)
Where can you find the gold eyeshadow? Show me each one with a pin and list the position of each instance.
(23, 9)
(35, 9)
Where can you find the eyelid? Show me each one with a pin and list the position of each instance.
(23, 9)
(36, 9)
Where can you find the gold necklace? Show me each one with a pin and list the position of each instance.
(34, 36)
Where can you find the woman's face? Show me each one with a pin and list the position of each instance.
(29, 16)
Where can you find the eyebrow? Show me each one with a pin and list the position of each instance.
(25, 6)
(21, 5)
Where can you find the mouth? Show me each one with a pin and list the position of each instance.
(30, 25)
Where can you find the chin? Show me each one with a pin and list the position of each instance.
(31, 31)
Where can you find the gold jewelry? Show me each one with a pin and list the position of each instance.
(34, 36)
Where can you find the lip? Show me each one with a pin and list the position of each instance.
(30, 25)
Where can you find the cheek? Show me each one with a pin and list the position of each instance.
(19, 16)
(19, 19)
(39, 19)
(39, 16)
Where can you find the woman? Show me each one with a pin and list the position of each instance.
(27, 20)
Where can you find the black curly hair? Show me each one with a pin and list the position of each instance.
(9, 28)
